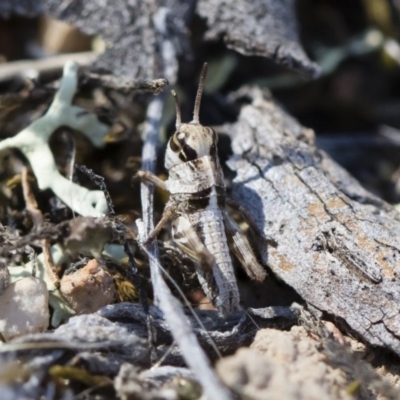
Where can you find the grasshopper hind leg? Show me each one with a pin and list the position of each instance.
(240, 246)
(187, 239)
(190, 243)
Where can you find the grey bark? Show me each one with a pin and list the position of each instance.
(265, 28)
(134, 45)
(336, 244)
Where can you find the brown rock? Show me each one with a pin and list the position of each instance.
(88, 289)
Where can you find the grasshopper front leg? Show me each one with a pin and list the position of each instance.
(168, 215)
(146, 176)
(169, 210)
(240, 246)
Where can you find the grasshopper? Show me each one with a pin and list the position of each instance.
(201, 226)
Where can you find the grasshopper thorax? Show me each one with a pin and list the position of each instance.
(191, 140)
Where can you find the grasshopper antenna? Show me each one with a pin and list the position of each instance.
(178, 110)
(199, 94)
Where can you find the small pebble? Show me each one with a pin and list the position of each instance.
(24, 308)
(88, 289)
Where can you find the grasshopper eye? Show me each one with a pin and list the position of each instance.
(174, 143)
(180, 137)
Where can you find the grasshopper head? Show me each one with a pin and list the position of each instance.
(191, 140)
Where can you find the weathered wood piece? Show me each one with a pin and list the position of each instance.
(336, 244)
(134, 44)
(265, 28)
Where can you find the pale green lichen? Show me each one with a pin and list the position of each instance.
(33, 143)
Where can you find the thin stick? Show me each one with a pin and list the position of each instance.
(178, 110)
(10, 70)
(164, 356)
(30, 201)
(49, 263)
(180, 328)
(199, 94)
